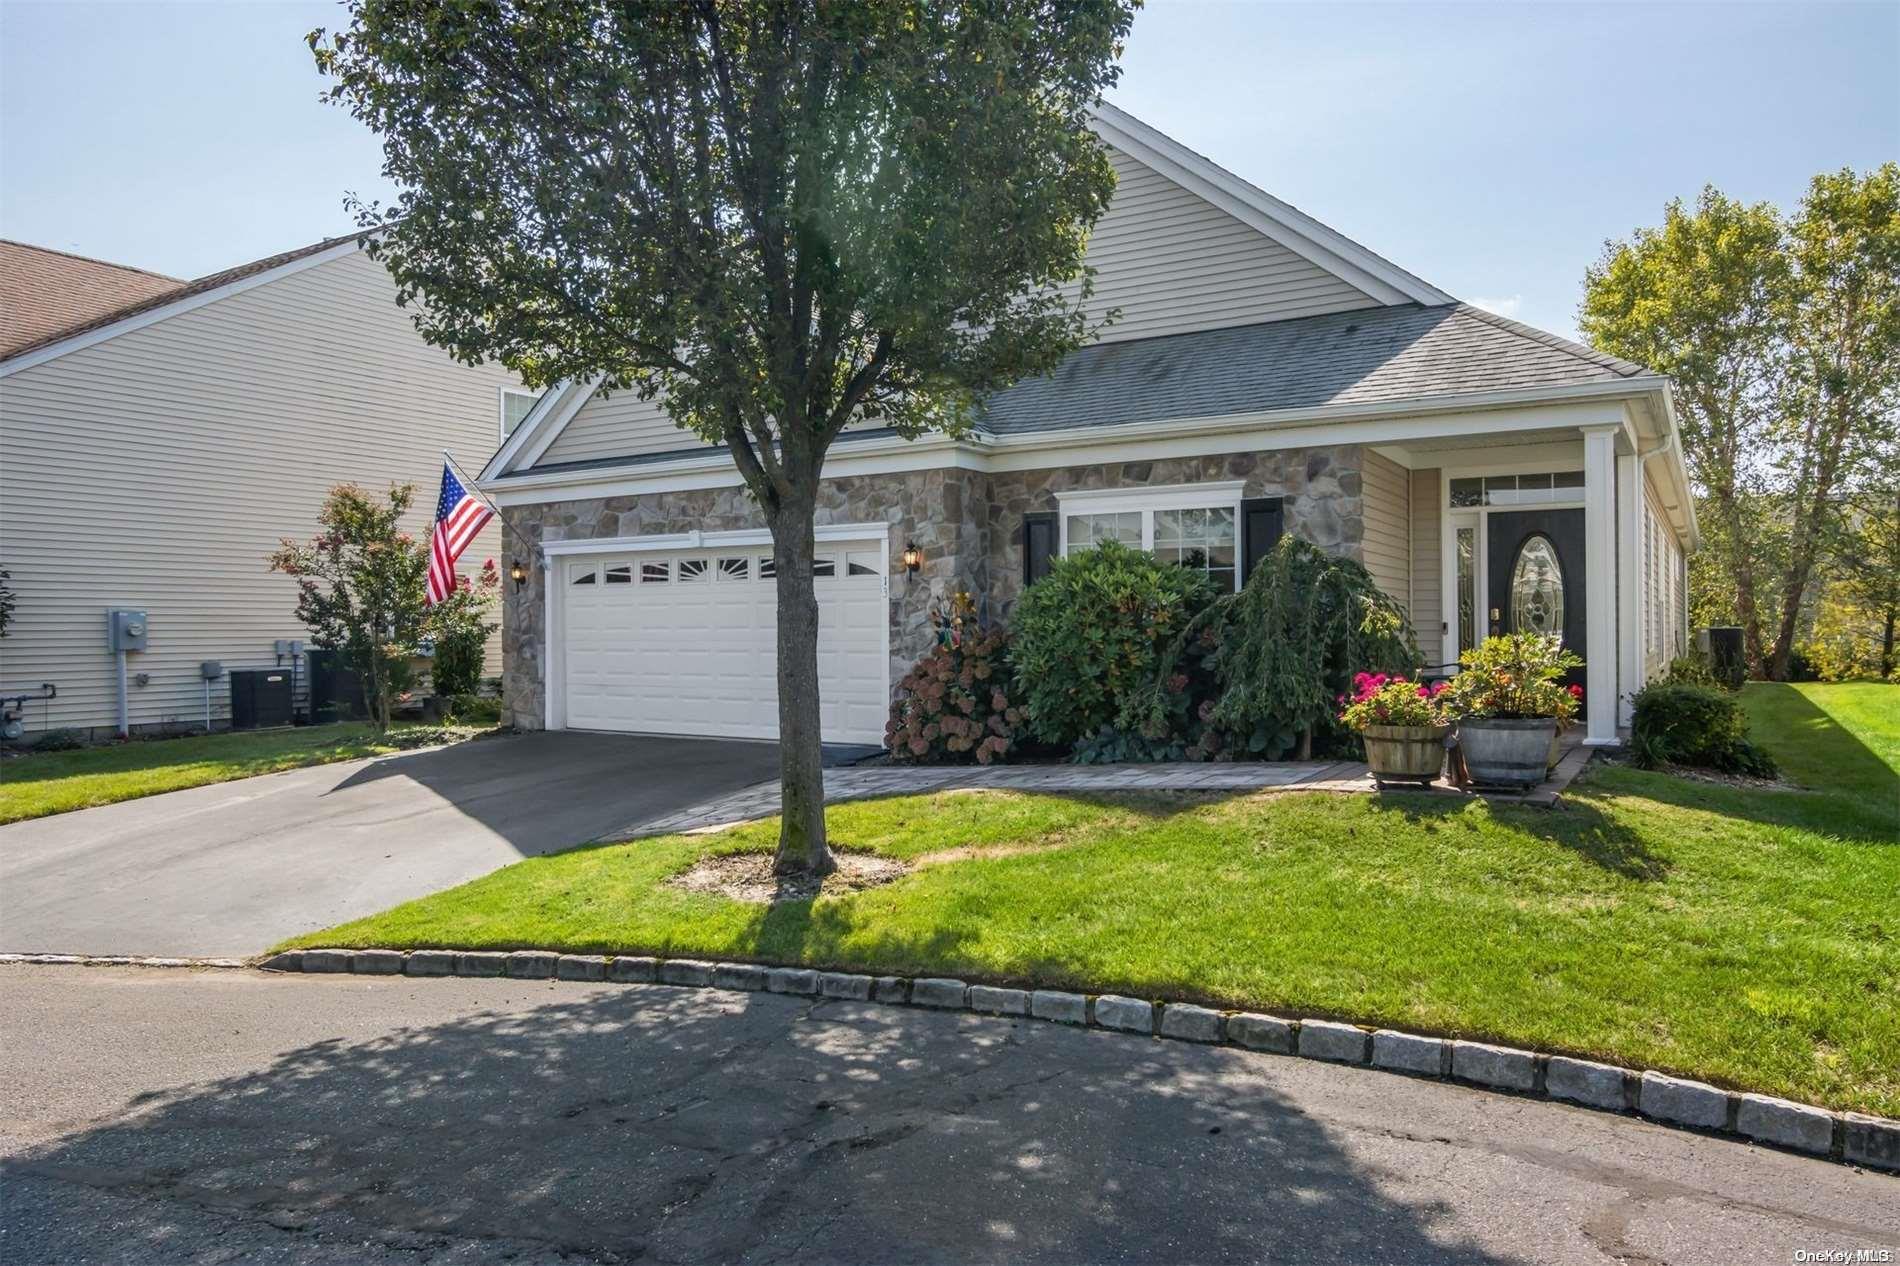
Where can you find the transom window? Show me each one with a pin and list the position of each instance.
(1518, 490)
(1190, 525)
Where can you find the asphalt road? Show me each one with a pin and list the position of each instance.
(157, 1117)
(229, 870)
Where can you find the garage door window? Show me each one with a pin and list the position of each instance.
(768, 567)
(581, 575)
(863, 563)
(622, 575)
(734, 568)
(656, 573)
(824, 565)
(692, 569)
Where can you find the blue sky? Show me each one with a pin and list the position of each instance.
(1488, 148)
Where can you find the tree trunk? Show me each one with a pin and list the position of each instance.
(1886, 646)
(801, 838)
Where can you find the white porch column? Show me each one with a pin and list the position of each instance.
(1629, 586)
(1599, 547)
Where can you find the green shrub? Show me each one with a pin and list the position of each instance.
(954, 705)
(59, 741)
(1695, 725)
(1697, 668)
(1087, 639)
(468, 709)
(1283, 650)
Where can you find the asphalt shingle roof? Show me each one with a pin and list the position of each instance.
(1396, 355)
(1371, 356)
(130, 305)
(44, 292)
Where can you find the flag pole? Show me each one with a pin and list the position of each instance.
(469, 485)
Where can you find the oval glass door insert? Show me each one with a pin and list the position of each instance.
(1537, 588)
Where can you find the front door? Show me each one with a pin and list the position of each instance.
(1536, 563)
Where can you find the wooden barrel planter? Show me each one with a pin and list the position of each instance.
(1405, 753)
(1508, 753)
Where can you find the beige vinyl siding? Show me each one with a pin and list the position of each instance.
(1171, 261)
(156, 470)
(1174, 262)
(1428, 612)
(621, 425)
(1387, 544)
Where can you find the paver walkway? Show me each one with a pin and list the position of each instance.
(761, 800)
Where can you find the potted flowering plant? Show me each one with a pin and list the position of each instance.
(1402, 723)
(1510, 702)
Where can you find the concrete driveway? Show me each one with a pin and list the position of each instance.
(230, 869)
(175, 1116)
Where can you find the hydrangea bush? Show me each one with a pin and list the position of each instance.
(954, 705)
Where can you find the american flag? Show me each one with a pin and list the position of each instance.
(459, 515)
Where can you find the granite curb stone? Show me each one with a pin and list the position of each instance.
(749, 977)
(1871, 1141)
(532, 964)
(891, 989)
(939, 992)
(1331, 1040)
(581, 967)
(429, 963)
(1409, 1053)
(634, 969)
(838, 984)
(991, 1000)
(1683, 1102)
(1189, 1023)
(1587, 1082)
(327, 960)
(1500, 1067)
(375, 962)
(1058, 1007)
(480, 963)
(686, 971)
(797, 980)
(1784, 1123)
(1126, 1015)
(1263, 1032)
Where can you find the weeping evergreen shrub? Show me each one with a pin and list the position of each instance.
(1288, 644)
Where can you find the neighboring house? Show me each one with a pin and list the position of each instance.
(159, 437)
(1267, 375)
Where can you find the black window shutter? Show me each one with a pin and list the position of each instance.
(1262, 519)
(1039, 546)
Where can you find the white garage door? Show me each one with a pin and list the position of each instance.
(685, 642)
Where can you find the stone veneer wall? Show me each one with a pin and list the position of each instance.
(968, 525)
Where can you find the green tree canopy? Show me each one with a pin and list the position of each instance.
(778, 216)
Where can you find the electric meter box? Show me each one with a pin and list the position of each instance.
(127, 628)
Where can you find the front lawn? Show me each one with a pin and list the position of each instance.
(1747, 937)
(42, 783)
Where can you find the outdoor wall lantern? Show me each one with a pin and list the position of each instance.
(518, 572)
(913, 557)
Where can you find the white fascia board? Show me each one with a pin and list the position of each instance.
(1485, 413)
(1150, 496)
(544, 422)
(741, 538)
(165, 311)
(1284, 223)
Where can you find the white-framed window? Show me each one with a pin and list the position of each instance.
(515, 405)
(1191, 525)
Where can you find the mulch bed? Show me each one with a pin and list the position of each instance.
(749, 877)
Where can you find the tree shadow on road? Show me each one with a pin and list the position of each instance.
(613, 1123)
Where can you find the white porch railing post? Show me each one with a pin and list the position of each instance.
(1600, 558)
(1629, 590)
